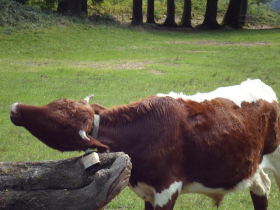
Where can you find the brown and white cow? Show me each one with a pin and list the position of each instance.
(210, 143)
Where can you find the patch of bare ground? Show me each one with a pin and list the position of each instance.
(156, 72)
(120, 65)
(207, 42)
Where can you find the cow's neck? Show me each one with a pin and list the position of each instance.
(119, 126)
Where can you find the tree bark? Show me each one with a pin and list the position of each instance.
(150, 11)
(210, 18)
(236, 13)
(137, 14)
(187, 14)
(63, 184)
(243, 12)
(72, 7)
(170, 18)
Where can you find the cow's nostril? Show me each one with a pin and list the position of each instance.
(13, 118)
(16, 121)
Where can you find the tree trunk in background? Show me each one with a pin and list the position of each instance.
(187, 14)
(63, 184)
(137, 15)
(21, 1)
(231, 16)
(210, 18)
(50, 4)
(72, 7)
(170, 19)
(236, 13)
(243, 12)
(150, 11)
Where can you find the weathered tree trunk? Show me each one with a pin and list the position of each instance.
(170, 16)
(187, 14)
(72, 7)
(210, 19)
(137, 14)
(150, 11)
(236, 13)
(63, 184)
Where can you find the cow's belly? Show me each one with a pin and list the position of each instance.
(259, 183)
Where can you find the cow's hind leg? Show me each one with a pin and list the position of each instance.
(260, 190)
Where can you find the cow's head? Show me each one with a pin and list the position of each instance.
(62, 124)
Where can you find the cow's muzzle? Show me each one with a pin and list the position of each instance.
(15, 115)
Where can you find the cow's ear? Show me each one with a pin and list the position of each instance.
(97, 108)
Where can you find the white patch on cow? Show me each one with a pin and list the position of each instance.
(272, 161)
(149, 194)
(248, 91)
(259, 182)
(144, 191)
(196, 187)
(162, 198)
(14, 107)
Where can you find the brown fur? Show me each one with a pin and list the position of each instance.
(215, 143)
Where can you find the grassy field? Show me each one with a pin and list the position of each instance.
(121, 64)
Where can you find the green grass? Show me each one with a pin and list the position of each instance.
(122, 64)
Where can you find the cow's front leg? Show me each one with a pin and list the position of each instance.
(169, 205)
(162, 198)
(148, 206)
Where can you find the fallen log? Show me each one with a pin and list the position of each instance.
(63, 184)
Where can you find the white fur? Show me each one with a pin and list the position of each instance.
(272, 161)
(149, 194)
(14, 107)
(259, 182)
(248, 91)
(144, 191)
(162, 198)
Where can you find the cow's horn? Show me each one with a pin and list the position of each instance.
(83, 134)
(88, 98)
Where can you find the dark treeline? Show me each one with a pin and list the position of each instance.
(235, 15)
(71, 7)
